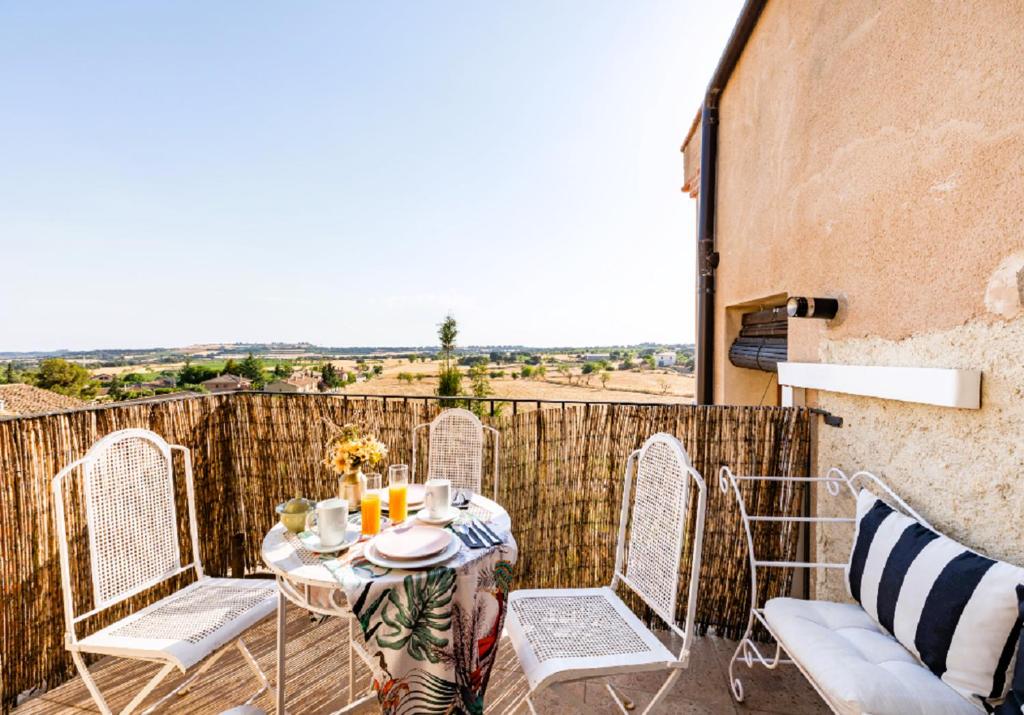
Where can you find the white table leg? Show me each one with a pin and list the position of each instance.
(280, 651)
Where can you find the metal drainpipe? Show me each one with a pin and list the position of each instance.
(707, 256)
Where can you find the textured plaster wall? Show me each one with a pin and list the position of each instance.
(874, 151)
(963, 470)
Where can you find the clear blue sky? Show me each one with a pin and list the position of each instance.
(346, 173)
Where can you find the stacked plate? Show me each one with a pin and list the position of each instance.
(412, 547)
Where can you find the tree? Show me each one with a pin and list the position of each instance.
(329, 375)
(526, 372)
(378, 369)
(9, 377)
(589, 368)
(282, 370)
(230, 367)
(116, 389)
(649, 361)
(252, 368)
(540, 372)
(67, 378)
(604, 378)
(406, 377)
(481, 387)
(191, 375)
(450, 379)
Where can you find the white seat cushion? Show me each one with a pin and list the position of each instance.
(190, 624)
(571, 634)
(855, 664)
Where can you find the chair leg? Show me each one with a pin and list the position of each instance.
(90, 684)
(186, 686)
(625, 704)
(261, 677)
(351, 664)
(153, 682)
(97, 696)
(662, 692)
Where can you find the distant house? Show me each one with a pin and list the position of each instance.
(17, 399)
(295, 383)
(596, 357)
(160, 382)
(227, 383)
(665, 359)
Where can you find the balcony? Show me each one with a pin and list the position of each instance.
(560, 480)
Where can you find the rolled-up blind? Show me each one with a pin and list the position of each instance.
(763, 340)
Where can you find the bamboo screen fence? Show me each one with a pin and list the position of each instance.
(561, 474)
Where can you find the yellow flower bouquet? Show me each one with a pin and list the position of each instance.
(347, 452)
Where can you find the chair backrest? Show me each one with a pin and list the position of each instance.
(456, 449)
(131, 518)
(658, 525)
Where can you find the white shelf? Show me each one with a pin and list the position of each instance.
(927, 385)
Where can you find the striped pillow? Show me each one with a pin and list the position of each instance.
(954, 609)
(1014, 703)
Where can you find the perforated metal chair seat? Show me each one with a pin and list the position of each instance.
(571, 634)
(188, 625)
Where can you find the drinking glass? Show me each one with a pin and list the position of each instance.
(371, 505)
(398, 492)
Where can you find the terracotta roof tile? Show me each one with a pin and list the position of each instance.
(20, 399)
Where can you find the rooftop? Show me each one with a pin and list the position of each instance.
(20, 399)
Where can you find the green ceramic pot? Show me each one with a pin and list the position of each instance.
(295, 520)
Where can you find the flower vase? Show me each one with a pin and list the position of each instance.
(351, 486)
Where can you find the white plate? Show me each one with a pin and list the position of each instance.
(375, 558)
(448, 518)
(311, 541)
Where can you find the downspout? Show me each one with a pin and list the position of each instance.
(707, 256)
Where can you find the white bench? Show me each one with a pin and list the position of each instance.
(854, 664)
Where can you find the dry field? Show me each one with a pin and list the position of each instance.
(628, 386)
(622, 386)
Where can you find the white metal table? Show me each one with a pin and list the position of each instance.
(324, 585)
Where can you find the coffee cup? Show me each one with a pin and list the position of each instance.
(331, 520)
(437, 497)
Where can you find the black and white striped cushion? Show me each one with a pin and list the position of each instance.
(1014, 703)
(953, 608)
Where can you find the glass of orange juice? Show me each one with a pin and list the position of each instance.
(398, 492)
(370, 505)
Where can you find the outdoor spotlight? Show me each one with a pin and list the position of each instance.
(800, 307)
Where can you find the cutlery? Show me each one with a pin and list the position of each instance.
(498, 541)
(484, 537)
(468, 538)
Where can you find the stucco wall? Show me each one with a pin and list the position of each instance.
(875, 152)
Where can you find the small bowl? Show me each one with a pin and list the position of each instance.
(294, 522)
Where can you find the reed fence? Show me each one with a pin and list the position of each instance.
(561, 476)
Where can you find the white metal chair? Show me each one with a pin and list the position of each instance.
(134, 544)
(456, 449)
(562, 635)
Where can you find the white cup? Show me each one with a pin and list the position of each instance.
(438, 497)
(331, 518)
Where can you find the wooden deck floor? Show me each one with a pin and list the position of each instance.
(317, 682)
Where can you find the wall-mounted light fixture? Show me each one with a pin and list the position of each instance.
(800, 307)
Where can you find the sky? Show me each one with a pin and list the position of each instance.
(345, 173)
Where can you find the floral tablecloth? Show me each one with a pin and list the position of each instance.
(432, 634)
